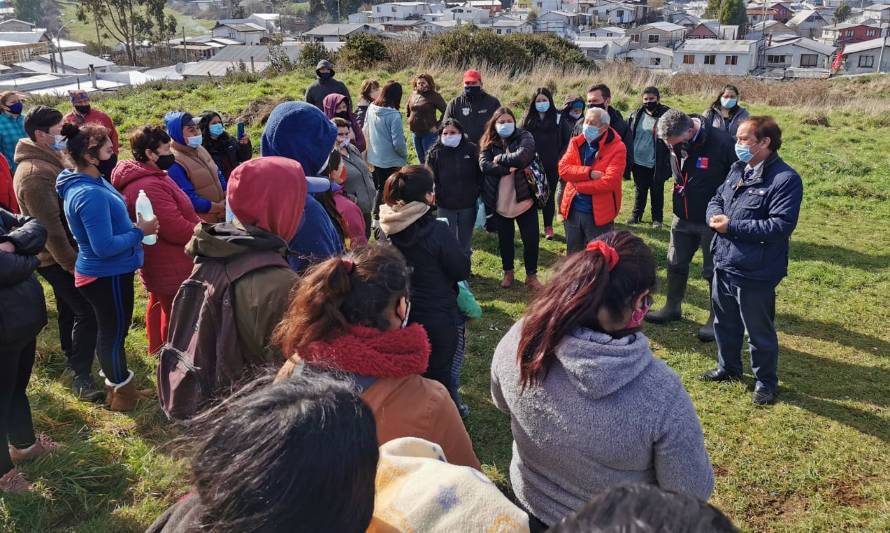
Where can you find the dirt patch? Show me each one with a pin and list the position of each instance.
(847, 493)
(816, 119)
(257, 112)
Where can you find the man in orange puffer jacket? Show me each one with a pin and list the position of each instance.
(592, 167)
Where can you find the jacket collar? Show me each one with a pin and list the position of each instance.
(757, 177)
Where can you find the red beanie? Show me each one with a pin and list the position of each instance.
(269, 193)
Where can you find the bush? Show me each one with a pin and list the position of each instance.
(312, 53)
(551, 48)
(363, 50)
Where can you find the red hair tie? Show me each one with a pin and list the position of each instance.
(349, 264)
(608, 253)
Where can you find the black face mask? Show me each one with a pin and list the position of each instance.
(105, 166)
(325, 75)
(343, 115)
(82, 109)
(472, 91)
(651, 106)
(600, 106)
(165, 161)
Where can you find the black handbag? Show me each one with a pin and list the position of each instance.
(537, 182)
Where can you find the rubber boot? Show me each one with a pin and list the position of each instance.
(676, 290)
(706, 332)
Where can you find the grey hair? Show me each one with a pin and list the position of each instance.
(601, 114)
(673, 124)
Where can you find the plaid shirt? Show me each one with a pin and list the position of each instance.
(11, 130)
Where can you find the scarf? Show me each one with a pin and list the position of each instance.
(396, 218)
(370, 352)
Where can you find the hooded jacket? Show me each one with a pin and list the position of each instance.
(96, 117)
(35, 188)
(329, 106)
(359, 186)
(731, 125)
(763, 211)
(497, 160)
(605, 192)
(108, 242)
(386, 137)
(472, 113)
(23, 313)
(662, 155)
(300, 132)
(166, 263)
(708, 160)
(456, 174)
(320, 88)
(607, 413)
(195, 172)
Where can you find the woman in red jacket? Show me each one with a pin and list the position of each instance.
(166, 263)
(592, 167)
(7, 193)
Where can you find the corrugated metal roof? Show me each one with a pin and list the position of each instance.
(866, 45)
(339, 29)
(808, 44)
(259, 53)
(81, 60)
(663, 26)
(218, 68)
(27, 37)
(716, 45)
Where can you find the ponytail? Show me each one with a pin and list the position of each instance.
(353, 290)
(409, 184)
(609, 274)
(83, 141)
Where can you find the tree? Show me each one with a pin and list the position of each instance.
(842, 13)
(734, 13)
(129, 21)
(28, 10)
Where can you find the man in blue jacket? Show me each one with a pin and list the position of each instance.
(753, 214)
(299, 131)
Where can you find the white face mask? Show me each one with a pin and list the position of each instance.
(451, 141)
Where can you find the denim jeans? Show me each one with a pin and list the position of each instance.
(739, 307)
(422, 144)
(461, 222)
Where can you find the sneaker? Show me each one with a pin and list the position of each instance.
(633, 221)
(85, 388)
(657, 225)
(548, 233)
(13, 482)
(464, 410)
(42, 446)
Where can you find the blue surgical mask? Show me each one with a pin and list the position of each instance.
(195, 141)
(217, 129)
(59, 143)
(451, 141)
(16, 108)
(743, 152)
(506, 129)
(591, 133)
(542, 107)
(728, 103)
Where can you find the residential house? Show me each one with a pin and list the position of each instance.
(686, 20)
(73, 62)
(466, 14)
(604, 49)
(715, 56)
(272, 21)
(879, 13)
(807, 23)
(770, 29)
(399, 11)
(16, 25)
(359, 17)
(334, 33)
(847, 33)
(613, 11)
(867, 56)
(491, 6)
(606, 31)
(508, 26)
(249, 33)
(761, 11)
(712, 29)
(802, 53)
(666, 34)
(558, 22)
(437, 26)
(20, 46)
(401, 26)
(656, 58)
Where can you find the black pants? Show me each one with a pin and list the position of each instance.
(380, 176)
(112, 301)
(549, 209)
(646, 183)
(442, 332)
(16, 426)
(77, 321)
(528, 232)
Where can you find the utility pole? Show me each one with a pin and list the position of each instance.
(883, 45)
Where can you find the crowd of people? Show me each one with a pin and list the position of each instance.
(261, 266)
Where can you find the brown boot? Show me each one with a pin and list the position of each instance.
(123, 396)
(532, 283)
(507, 282)
(42, 446)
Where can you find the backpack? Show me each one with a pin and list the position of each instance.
(202, 354)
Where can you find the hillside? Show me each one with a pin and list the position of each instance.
(816, 461)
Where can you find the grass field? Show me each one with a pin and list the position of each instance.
(816, 461)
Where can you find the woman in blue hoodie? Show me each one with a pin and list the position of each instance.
(109, 252)
(387, 149)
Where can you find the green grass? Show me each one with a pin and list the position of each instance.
(816, 461)
(86, 32)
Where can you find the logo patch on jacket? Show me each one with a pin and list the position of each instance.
(702, 163)
(466, 111)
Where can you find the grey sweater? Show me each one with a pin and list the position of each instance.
(607, 413)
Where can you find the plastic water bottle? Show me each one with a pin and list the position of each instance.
(143, 207)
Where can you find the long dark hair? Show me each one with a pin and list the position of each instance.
(725, 88)
(303, 451)
(410, 184)
(453, 122)
(490, 136)
(581, 285)
(390, 95)
(533, 118)
(326, 199)
(353, 290)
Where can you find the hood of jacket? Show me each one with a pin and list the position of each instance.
(330, 103)
(600, 364)
(397, 218)
(382, 111)
(130, 171)
(69, 179)
(229, 239)
(324, 63)
(173, 123)
(299, 131)
(26, 150)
